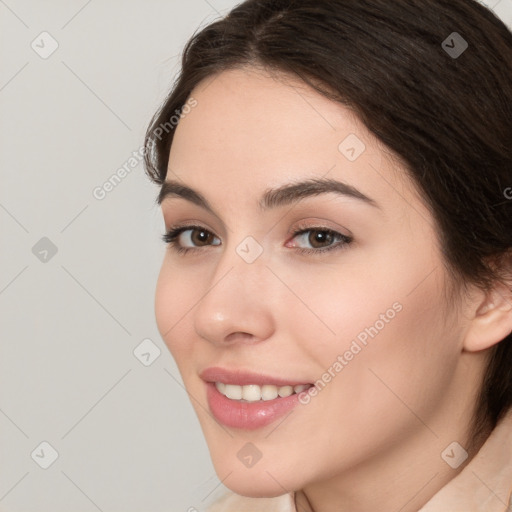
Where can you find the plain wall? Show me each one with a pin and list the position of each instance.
(78, 267)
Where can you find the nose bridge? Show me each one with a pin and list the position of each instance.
(237, 299)
(245, 263)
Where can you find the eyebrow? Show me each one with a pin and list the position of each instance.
(272, 198)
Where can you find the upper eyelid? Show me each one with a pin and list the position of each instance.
(185, 227)
(316, 222)
(166, 200)
(193, 224)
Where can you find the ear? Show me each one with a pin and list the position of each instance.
(492, 319)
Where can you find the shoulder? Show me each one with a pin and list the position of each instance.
(485, 484)
(231, 502)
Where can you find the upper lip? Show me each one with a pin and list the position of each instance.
(242, 377)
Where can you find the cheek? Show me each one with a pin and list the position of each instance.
(174, 297)
(375, 333)
(397, 356)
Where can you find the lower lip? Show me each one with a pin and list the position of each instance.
(247, 415)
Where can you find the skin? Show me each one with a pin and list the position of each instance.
(372, 438)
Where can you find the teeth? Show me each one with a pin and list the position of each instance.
(269, 392)
(233, 392)
(285, 391)
(254, 393)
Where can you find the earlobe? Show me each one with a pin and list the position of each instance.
(492, 320)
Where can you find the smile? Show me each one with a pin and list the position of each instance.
(244, 399)
(255, 393)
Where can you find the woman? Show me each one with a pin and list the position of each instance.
(337, 290)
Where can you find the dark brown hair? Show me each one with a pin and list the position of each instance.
(397, 63)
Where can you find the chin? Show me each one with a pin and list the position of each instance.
(262, 480)
(254, 488)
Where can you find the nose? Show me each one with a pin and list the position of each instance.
(237, 305)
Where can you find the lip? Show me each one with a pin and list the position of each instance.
(246, 415)
(243, 378)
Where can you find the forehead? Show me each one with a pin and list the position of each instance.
(252, 130)
(254, 112)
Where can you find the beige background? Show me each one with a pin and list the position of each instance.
(125, 433)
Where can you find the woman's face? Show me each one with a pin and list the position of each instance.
(354, 303)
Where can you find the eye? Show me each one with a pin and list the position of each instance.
(320, 239)
(183, 239)
(186, 238)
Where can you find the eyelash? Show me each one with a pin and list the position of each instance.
(170, 238)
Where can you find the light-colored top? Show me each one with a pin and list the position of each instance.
(484, 485)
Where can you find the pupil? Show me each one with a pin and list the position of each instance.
(201, 236)
(320, 237)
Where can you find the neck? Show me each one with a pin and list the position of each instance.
(403, 478)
